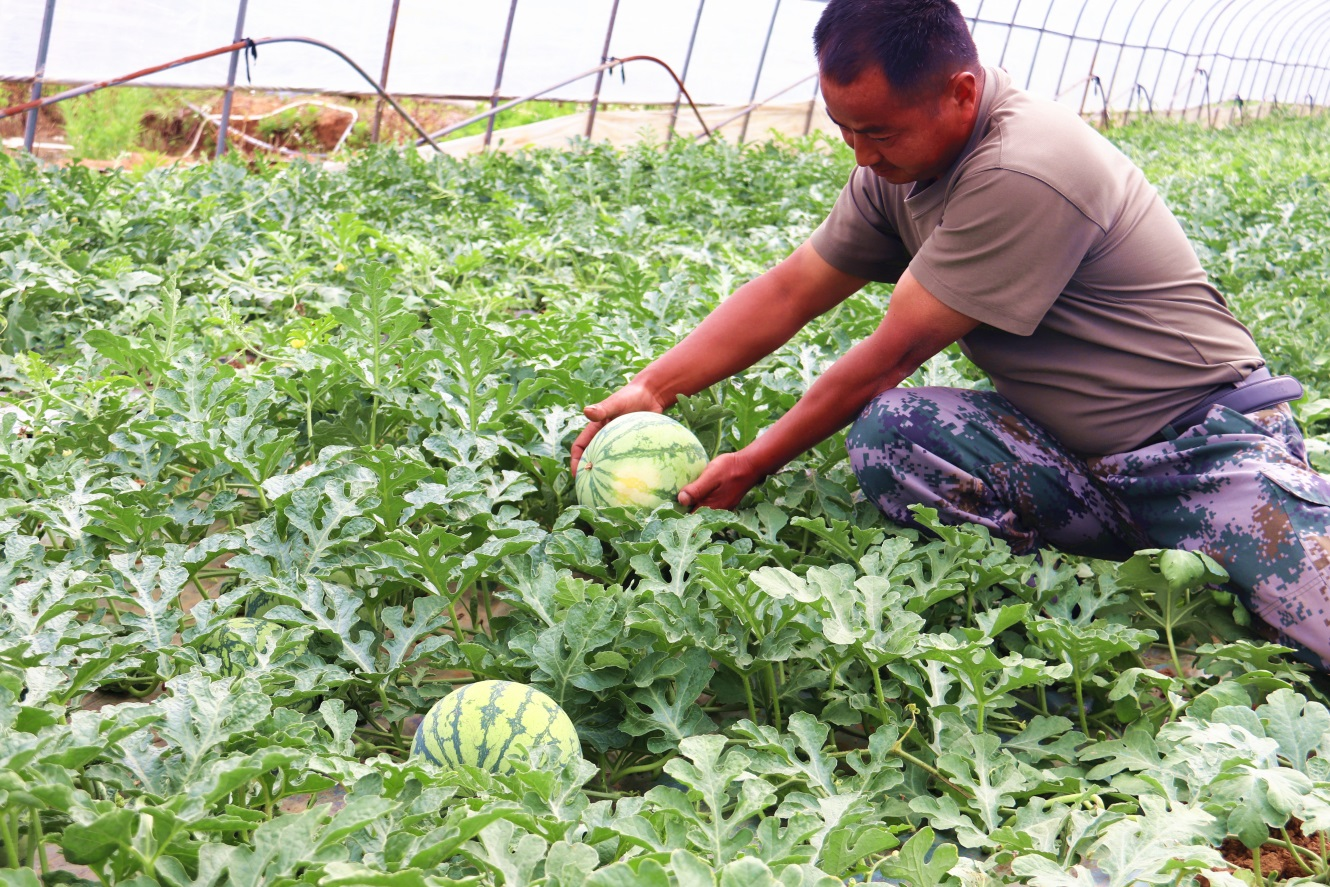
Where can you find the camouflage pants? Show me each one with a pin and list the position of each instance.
(1237, 487)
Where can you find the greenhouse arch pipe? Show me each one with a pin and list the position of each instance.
(228, 94)
(1232, 57)
(1159, 75)
(1299, 45)
(753, 106)
(604, 66)
(1038, 41)
(1071, 43)
(1177, 87)
(1318, 71)
(1322, 76)
(761, 63)
(1122, 49)
(1272, 58)
(245, 45)
(1095, 57)
(683, 75)
(1140, 65)
(600, 75)
(1303, 81)
(1260, 41)
(1216, 54)
(503, 63)
(39, 74)
(1316, 75)
(1011, 27)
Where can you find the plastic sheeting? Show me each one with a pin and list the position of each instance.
(1147, 52)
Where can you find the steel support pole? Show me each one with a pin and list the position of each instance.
(383, 75)
(600, 76)
(39, 75)
(225, 125)
(498, 75)
(1301, 85)
(761, 63)
(683, 75)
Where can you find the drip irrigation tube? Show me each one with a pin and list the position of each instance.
(243, 46)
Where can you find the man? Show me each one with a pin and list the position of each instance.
(1130, 410)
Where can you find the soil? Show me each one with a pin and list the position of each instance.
(1275, 858)
(180, 134)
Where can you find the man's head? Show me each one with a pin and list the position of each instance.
(902, 80)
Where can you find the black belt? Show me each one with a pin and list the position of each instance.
(1259, 391)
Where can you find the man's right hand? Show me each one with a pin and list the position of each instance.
(631, 398)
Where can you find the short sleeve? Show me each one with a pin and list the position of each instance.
(1006, 248)
(857, 238)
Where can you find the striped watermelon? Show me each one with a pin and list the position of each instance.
(638, 460)
(237, 641)
(485, 724)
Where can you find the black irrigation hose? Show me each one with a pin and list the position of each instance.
(249, 47)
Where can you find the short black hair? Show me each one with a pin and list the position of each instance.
(918, 44)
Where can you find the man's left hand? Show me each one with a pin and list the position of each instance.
(722, 484)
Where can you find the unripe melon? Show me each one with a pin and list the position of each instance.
(638, 460)
(490, 723)
(237, 642)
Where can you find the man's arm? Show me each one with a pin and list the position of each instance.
(916, 327)
(754, 321)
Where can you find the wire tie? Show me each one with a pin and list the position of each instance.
(251, 49)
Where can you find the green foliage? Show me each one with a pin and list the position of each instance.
(106, 123)
(345, 400)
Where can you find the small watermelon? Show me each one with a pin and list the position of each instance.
(639, 460)
(484, 724)
(237, 642)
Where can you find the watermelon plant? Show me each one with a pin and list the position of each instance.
(341, 403)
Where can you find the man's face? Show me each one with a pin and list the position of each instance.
(900, 140)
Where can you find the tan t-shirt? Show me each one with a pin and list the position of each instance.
(1096, 318)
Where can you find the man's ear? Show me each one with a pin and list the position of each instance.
(963, 89)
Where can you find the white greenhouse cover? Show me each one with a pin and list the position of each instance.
(452, 48)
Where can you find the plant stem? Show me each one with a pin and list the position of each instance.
(11, 839)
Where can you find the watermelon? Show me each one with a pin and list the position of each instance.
(638, 460)
(237, 642)
(490, 723)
